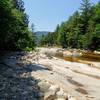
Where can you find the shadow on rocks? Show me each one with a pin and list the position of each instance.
(15, 86)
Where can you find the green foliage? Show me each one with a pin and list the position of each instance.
(43, 40)
(47, 40)
(62, 36)
(14, 33)
(82, 30)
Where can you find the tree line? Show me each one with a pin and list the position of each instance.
(81, 30)
(14, 32)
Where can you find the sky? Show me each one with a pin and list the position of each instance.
(46, 14)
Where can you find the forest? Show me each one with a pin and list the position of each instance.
(81, 30)
(14, 31)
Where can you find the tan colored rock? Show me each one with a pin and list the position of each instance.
(67, 54)
(47, 65)
(61, 99)
(71, 97)
(62, 94)
(50, 95)
(44, 86)
(54, 88)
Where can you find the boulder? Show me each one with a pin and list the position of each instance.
(76, 54)
(96, 52)
(50, 95)
(48, 66)
(44, 86)
(67, 54)
(54, 88)
(70, 97)
(60, 99)
(62, 94)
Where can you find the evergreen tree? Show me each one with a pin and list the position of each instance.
(81, 30)
(56, 33)
(85, 15)
(14, 33)
(33, 35)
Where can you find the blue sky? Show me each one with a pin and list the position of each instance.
(46, 14)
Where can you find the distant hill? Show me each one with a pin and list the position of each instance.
(40, 33)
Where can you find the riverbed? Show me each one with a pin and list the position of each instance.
(79, 79)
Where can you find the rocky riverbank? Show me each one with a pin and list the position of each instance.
(17, 83)
(40, 76)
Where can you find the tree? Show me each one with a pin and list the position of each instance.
(19, 5)
(85, 15)
(81, 30)
(5, 19)
(62, 36)
(56, 33)
(93, 36)
(43, 40)
(14, 33)
(73, 30)
(33, 35)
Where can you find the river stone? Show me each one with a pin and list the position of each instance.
(60, 99)
(67, 54)
(62, 94)
(54, 88)
(44, 86)
(70, 97)
(76, 54)
(50, 95)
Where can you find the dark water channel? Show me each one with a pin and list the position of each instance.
(84, 57)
